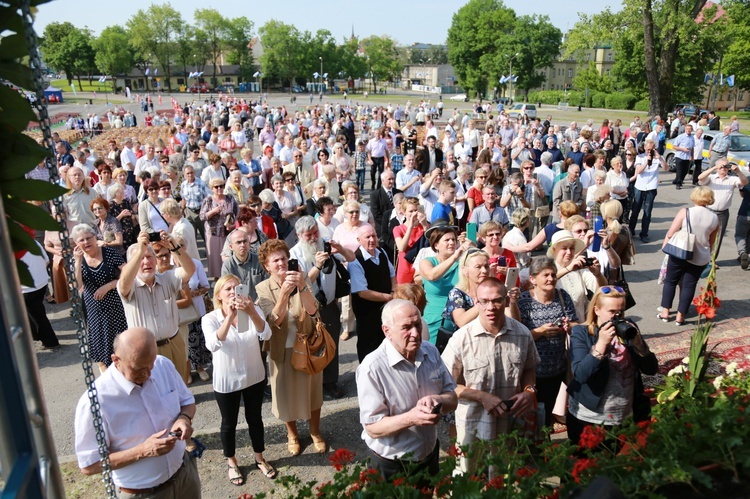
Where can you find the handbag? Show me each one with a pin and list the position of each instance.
(311, 353)
(188, 314)
(343, 286)
(443, 336)
(542, 211)
(681, 244)
(622, 283)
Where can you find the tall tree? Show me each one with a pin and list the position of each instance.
(153, 32)
(737, 56)
(382, 58)
(480, 43)
(212, 26)
(537, 43)
(59, 47)
(352, 62)
(185, 50)
(113, 54)
(662, 46)
(282, 51)
(238, 33)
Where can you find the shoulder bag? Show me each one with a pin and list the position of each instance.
(622, 283)
(313, 352)
(681, 244)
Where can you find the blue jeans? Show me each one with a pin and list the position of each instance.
(645, 200)
(361, 179)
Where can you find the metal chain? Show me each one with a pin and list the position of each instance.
(61, 216)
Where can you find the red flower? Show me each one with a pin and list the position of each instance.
(580, 466)
(320, 489)
(369, 475)
(455, 451)
(710, 313)
(398, 482)
(341, 458)
(591, 437)
(495, 483)
(731, 390)
(526, 472)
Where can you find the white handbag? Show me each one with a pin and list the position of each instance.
(681, 244)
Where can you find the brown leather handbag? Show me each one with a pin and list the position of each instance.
(313, 352)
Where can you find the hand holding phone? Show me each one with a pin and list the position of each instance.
(437, 409)
(293, 265)
(243, 320)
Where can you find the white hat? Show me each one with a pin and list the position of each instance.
(564, 236)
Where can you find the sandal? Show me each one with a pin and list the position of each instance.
(269, 472)
(236, 478)
(663, 319)
(293, 445)
(319, 444)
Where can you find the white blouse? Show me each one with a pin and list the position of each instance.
(237, 362)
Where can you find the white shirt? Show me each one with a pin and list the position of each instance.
(648, 180)
(723, 190)
(37, 265)
(185, 231)
(546, 178)
(405, 176)
(327, 281)
(131, 414)
(389, 385)
(326, 231)
(236, 360)
(128, 156)
(143, 163)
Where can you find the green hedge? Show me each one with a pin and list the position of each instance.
(642, 105)
(619, 101)
(598, 99)
(553, 97)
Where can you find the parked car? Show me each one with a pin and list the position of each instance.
(517, 109)
(460, 97)
(227, 88)
(739, 149)
(202, 87)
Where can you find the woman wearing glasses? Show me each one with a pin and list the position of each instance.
(607, 388)
(149, 216)
(219, 213)
(474, 197)
(108, 229)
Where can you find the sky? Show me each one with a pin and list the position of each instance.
(408, 22)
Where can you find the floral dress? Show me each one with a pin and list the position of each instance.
(129, 232)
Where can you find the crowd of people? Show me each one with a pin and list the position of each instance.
(484, 274)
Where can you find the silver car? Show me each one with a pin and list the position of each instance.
(739, 149)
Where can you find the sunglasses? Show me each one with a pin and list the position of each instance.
(256, 205)
(153, 189)
(219, 186)
(611, 289)
(164, 161)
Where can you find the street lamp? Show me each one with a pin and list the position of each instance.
(321, 73)
(510, 88)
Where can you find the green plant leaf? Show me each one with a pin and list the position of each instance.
(14, 46)
(29, 215)
(23, 274)
(17, 73)
(21, 157)
(32, 190)
(16, 110)
(21, 240)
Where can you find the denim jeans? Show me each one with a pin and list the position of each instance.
(645, 200)
(742, 233)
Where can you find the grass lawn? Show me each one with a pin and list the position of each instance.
(95, 86)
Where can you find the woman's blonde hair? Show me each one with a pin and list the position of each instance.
(409, 200)
(702, 196)
(413, 293)
(575, 219)
(611, 211)
(219, 285)
(463, 281)
(591, 322)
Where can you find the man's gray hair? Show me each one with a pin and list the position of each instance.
(388, 317)
(318, 183)
(305, 224)
(266, 195)
(80, 230)
(277, 178)
(134, 247)
(546, 158)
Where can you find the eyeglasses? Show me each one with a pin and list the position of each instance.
(153, 189)
(256, 205)
(297, 155)
(495, 234)
(528, 167)
(611, 289)
(221, 186)
(353, 212)
(159, 151)
(630, 154)
(163, 161)
(163, 256)
(497, 302)
(289, 180)
(97, 208)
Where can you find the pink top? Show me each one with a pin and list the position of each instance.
(348, 238)
(405, 270)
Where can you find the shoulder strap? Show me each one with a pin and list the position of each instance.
(687, 220)
(157, 211)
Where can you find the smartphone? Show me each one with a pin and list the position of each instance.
(437, 409)
(177, 433)
(511, 277)
(327, 247)
(589, 261)
(508, 405)
(293, 265)
(502, 261)
(154, 237)
(243, 320)
(471, 231)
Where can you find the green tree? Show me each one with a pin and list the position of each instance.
(64, 47)
(480, 42)
(382, 58)
(737, 56)
(662, 47)
(435, 54)
(282, 51)
(113, 54)
(537, 42)
(153, 33)
(212, 26)
(238, 33)
(185, 49)
(589, 78)
(352, 63)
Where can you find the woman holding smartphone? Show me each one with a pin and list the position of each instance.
(239, 373)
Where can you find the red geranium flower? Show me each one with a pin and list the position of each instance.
(580, 466)
(526, 472)
(495, 483)
(591, 437)
(341, 458)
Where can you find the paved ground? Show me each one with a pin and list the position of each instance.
(62, 377)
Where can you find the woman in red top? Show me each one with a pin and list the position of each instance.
(492, 233)
(406, 236)
(474, 196)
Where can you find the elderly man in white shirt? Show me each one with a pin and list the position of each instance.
(723, 186)
(147, 414)
(403, 388)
